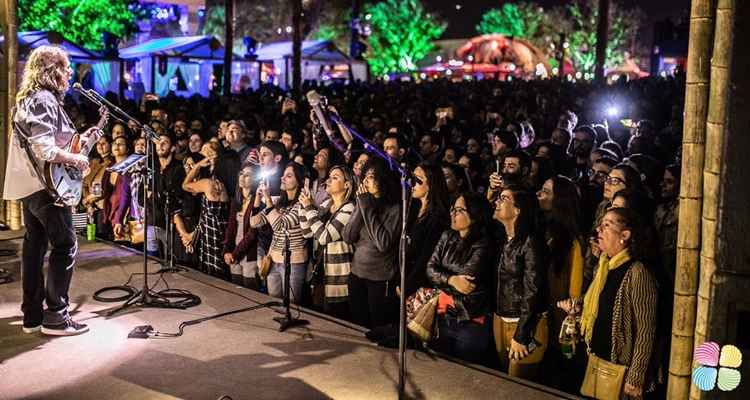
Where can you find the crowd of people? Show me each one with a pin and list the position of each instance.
(530, 204)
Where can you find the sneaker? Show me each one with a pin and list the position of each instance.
(65, 328)
(32, 329)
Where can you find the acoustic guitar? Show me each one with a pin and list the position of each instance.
(67, 180)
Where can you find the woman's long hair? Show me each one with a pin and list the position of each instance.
(480, 213)
(44, 70)
(437, 197)
(386, 179)
(299, 174)
(348, 177)
(239, 197)
(562, 224)
(527, 220)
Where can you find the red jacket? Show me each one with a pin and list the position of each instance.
(248, 246)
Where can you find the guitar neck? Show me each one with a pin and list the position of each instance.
(86, 148)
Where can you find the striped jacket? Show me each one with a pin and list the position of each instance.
(283, 221)
(634, 326)
(337, 257)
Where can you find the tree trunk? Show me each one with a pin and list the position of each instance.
(228, 45)
(297, 45)
(602, 30)
(8, 86)
(691, 198)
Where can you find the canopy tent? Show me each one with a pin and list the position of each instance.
(105, 78)
(193, 56)
(316, 55)
(30, 40)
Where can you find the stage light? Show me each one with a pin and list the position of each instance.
(613, 111)
(288, 29)
(439, 59)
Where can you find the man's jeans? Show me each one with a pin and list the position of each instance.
(46, 222)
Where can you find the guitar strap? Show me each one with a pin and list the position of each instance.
(22, 137)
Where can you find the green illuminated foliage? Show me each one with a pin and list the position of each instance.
(506, 21)
(623, 28)
(80, 21)
(403, 33)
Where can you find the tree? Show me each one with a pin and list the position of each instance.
(623, 28)
(403, 33)
(542, 27)
(506, 21)
(80, 21)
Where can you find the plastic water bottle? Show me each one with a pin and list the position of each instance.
(91, 229)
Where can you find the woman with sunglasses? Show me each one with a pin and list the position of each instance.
(460, 267)
(325, 225)
(520, 322)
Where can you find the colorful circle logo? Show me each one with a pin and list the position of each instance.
(717, 367)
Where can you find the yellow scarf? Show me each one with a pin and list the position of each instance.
(591, 300)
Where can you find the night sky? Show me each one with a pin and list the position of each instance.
(461, 23)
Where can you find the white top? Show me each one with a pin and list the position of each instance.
(41, 116)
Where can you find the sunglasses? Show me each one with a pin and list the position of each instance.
(613, 180)
(456, 210)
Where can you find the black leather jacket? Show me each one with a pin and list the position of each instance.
(446, 262)
(521, 284)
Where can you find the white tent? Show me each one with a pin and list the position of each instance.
(316, 56)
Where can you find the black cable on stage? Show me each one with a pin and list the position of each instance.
(166, 298)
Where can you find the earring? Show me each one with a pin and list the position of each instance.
(622, 241)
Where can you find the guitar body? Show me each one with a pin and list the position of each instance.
(67, 180)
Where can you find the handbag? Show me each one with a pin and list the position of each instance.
(264, 267)
(421, 311)
(318, 279)
(604, 380)
(135, 228)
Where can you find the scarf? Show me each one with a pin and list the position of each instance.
(591, 300)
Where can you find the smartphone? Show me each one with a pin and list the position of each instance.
(532, 346)
(307, 184)
(497, 167)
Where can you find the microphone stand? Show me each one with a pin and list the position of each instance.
(287, 321)
(407, 182)
(144, 297)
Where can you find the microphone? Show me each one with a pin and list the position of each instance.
(85, 93)
(314, 99)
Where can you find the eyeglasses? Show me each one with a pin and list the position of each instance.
(597, 174)
(456, 210)
(613, 180)
(505, 199)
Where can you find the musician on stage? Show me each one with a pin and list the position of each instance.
(40, 118)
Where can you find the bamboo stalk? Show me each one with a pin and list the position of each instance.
(691, 198)
(10, 31)
(716, 132)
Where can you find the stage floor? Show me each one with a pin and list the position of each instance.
(242, 356)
